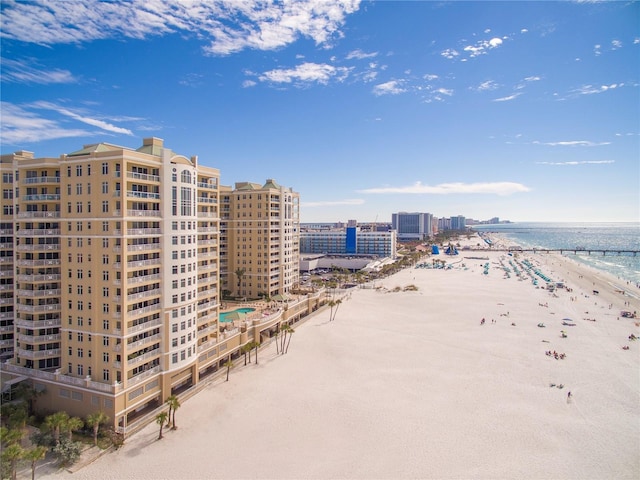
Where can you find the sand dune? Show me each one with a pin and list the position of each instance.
(409, 384)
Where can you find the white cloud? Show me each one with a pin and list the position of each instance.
(597, 50)
(393, 87)
(229, 25)
(249, 83)
(22, 126)
(507, 99)
(106, 126)
(584, 162)
(494, 188)
(449, 53)
(24, 71)
(616, 44)
(334, 203)
(305, 73)
(359, 55)
(524, 30)
(430, 77)
(485, 86)
(590, 89)
(572, 143)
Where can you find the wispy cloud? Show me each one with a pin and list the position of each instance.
(481, 47)
(494, 188)
(583, 162)
(24, 71)
(485, 86)
(572, 143)
(593, 89)
(305, 73)
(76, 115)
(26, 123)
(229, 25)
(507, 99)
(22, 126)
(393, 87)
(359, 55)
(333, 203)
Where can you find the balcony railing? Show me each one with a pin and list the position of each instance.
(39, 338)
(40, 293)
(136, 194)
(143, 213)
(39, 215)
(40, 232)
(144, 231)
(149, 293)
(56, 307)
(41, 198)
(55, 352)
(143, 176)
(143, 376)
(38, 180)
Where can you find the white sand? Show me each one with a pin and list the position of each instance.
(410, 385)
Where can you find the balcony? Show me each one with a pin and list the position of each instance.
(143, 376)
(144, 231)
(50, 197)
(143, 357)
(39, 215)
(39, 180)
(207, 200)
(144, 310)
(144, 263)
(39, 248)
(56, 307)
(143, 247)
(144, 326)
(143, 176)
(149, 293)
(39, 278)
(209, 186)
(36, 354)
(41, 232)
(143, 279)
(149, 195)
(39, 263)
(40, 293)
(143, 213)
(39, 338)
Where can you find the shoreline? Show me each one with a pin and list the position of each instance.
(410, 384)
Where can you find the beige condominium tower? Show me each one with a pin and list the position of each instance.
(110, 272)
(260, 240)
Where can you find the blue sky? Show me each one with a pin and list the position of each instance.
(524, 110)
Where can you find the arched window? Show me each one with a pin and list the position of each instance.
(185, 176)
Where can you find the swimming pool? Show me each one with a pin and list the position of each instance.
(223, 316)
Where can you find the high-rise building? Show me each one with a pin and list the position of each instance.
(412, 226)
(349, 241)
(109, 276)
(260, 231)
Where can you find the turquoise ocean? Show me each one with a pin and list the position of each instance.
(607, 236)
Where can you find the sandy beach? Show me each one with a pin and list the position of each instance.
(412, 385)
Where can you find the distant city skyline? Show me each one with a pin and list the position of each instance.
(527, 111)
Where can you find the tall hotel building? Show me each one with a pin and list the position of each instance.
(260, 236)
(412, 226)
(110, 273)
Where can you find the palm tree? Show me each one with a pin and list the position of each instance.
(255, 345)
(277, 333)
(73, 424)
(291, 332)
(55, 422)
(335, 303)
(12, 455)
(160, 419)
(246, 348)
(33, 455)
(229, 365)
(171, 399)
(94, 421)
(239, 273)
(174, 404)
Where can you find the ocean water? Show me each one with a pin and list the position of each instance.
(608, 236)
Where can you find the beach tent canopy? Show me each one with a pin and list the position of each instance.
(435, 250)
(280, 298)
(235, 315)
